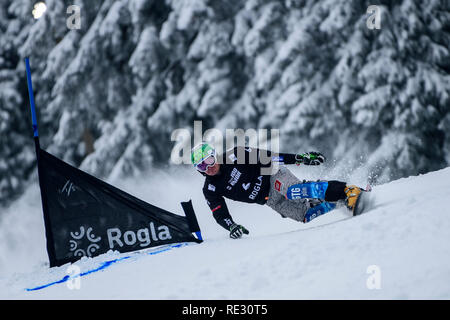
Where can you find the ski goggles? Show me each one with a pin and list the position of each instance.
(203, 165)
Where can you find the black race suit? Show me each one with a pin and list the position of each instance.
(241, 180)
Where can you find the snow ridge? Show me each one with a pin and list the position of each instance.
(404, 238)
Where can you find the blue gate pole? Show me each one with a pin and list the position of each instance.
(48, 232)
(31, 95)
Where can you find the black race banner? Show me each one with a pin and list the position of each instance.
(85, 216)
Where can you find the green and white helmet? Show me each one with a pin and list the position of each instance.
(200, 152)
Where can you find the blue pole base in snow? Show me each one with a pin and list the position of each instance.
(311, 190)
(199, 235)
(318, 210)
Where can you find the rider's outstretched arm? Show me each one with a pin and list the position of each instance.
(218, 208)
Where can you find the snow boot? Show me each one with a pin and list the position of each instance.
(353, 193)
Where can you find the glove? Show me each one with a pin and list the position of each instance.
(237, 230)
(309, 158)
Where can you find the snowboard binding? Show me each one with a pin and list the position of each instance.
(357, 198)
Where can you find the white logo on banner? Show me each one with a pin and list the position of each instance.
(144, 236)
(68, 188)
(80, 235)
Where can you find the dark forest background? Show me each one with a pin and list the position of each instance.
(110, 94)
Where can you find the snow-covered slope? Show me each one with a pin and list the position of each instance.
(401, 246)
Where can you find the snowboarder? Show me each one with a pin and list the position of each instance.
(282, 191)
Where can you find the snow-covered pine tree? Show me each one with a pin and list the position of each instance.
(16, 147)
(110, 94)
